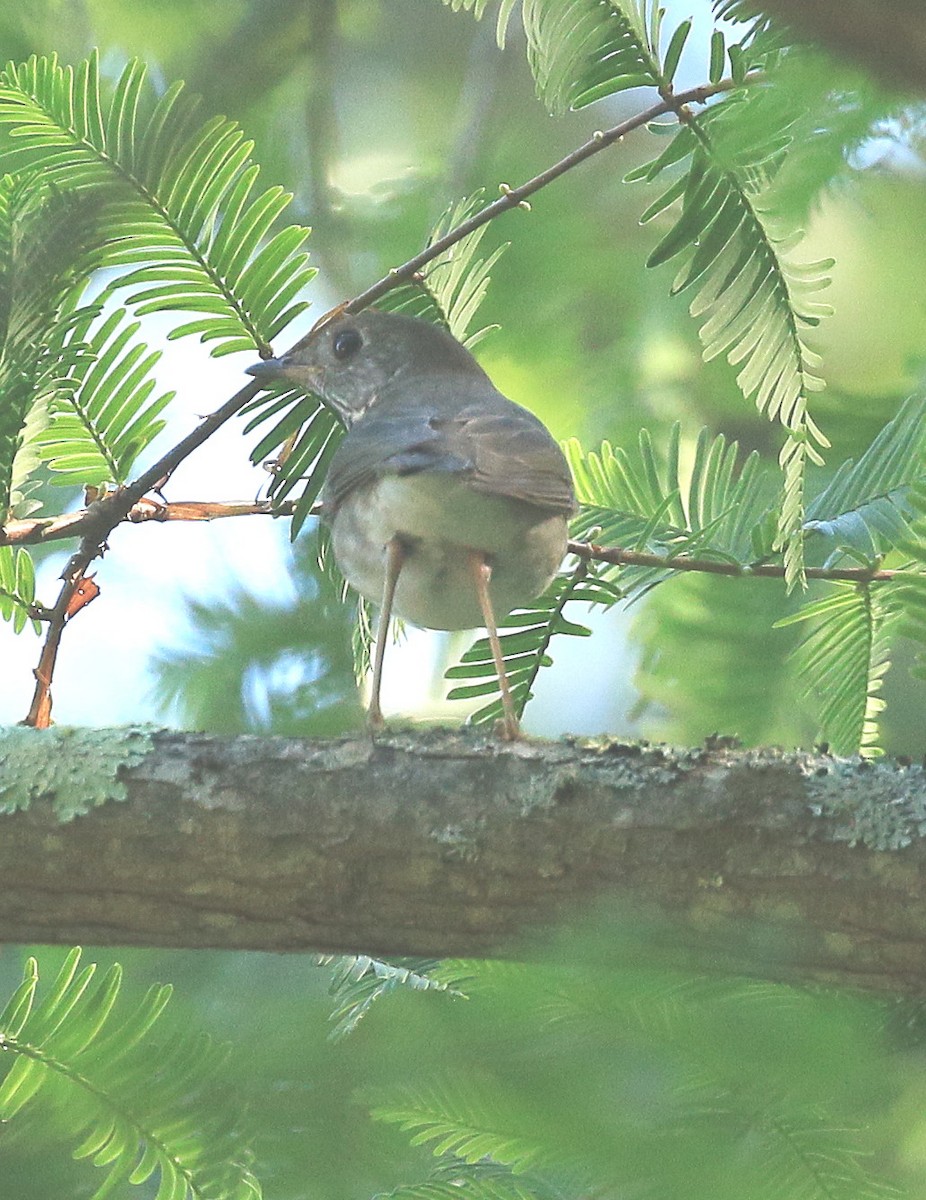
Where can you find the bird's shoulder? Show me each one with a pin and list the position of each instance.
(459, 424)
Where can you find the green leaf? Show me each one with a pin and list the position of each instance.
(43, 238)
(17, 587)
(868, 506)
(635, 500)
(138, 1110)
(718, 56)
(754, 303)
(910, 584)
(177, 192)
(460, 1124)
(106, 417)
(843, 661)
(586, 50)
(674, 52)
(358, 982)
(453, 285)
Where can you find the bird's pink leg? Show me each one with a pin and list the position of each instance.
(482, 572)
(395, 556)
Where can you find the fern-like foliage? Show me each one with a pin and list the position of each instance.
(525, 637)
(639, 500)
(734, 1076)
(868, 506)
(710, 660)
(17, 587)
(755, 303)
(754, 300)
(456, 1180)
(586, 51)
(99, 424)
(358, 982)
(469, 1124)
(452, 287)
(843, 661)
(43, 237)
(131, 1104)
(181, 220)
(910, 588)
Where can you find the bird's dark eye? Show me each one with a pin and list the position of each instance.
(346, 343)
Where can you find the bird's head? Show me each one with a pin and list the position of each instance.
(349, 361)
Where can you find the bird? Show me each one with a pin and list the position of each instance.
(448, 503)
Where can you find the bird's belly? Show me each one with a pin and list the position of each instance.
(439, 519)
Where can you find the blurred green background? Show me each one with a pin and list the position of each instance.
(377, 115)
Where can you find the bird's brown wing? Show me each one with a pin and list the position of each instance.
(514, 455)
(458, 425)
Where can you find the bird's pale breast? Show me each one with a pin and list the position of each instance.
(438, 518)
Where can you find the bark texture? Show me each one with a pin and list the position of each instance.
(443, 844)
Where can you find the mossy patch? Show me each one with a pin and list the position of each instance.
(76, 769)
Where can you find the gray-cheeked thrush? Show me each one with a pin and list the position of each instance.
(447, 502)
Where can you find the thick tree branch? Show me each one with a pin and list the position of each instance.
(450, 844)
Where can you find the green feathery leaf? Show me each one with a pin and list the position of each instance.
(358, 981)
(525, 637)
(453, 286)
(461, 1125)
(843, 661)
(106, 417)
(17, 587)
(177, 190)
(134, 1106)
(634, 500)
(867, 507)
(910, 584)
(583, 51)
(456, 1180)
(710, 660)
(43, 236)
(754, 302)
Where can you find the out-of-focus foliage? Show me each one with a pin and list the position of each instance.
(649, 1078)
(563, 1076)
(298, 677)
(133, 1109)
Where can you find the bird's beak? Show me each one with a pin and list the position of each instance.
(273, 370)
(267, 370)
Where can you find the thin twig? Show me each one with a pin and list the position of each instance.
(516, 197)
(30, 531)
(638, 558)
(39, 714)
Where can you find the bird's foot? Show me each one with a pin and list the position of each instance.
(507, 729)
